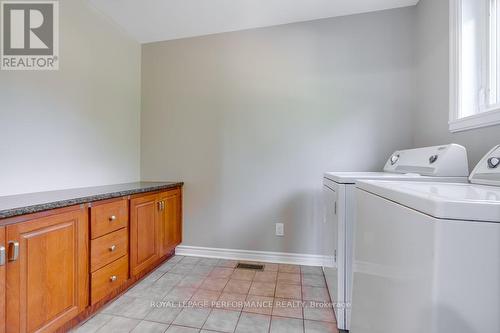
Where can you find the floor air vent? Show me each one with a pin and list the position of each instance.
(250, 266)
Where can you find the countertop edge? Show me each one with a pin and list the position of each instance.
(8, 213)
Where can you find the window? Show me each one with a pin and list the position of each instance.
(474, 64)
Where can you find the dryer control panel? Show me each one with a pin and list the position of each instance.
(487, 171)
(440, 161)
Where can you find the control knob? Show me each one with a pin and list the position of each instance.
(493, 162)
(394, 159)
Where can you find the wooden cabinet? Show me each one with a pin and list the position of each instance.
(3, 262)
(108, 278)
(144, 247)
(108, 216)
(62, 265)
(170, 221)
(108, 247)
(48, 274)
(155, 228)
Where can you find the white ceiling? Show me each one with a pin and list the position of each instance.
(157, 20)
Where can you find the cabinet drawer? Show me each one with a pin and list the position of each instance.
(108, 248)
(108, 217)
(108, 278)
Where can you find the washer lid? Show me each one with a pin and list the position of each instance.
(353, 177)
(441, 200)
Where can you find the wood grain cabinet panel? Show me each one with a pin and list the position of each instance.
(108, 278)
(48, 280)
(3, 254)
(108, 216)
(108, 248)
(170, 221)
(144, 246)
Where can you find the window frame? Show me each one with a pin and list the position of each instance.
(489, 116)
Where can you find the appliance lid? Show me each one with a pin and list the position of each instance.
(441, 200)
(353, 177)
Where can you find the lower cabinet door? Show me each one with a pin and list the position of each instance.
(48, 274)
(170, 221)
(144, 246)
(3, 262)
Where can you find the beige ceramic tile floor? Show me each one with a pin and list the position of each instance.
(191, 294)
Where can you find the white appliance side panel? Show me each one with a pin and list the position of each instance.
(334, 239)
(340, 302)
(328, 244)
(350, 227)
(329, 230)
(393, 267)
(414, 273)
(467, 280)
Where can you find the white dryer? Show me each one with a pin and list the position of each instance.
(427, 255)
(447, 163)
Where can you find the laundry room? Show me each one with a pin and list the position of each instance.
(298, 166)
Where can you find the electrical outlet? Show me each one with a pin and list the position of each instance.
(280, 229)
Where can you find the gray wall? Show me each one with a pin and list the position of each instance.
(431, 116)
(250, 120)
(78, 126)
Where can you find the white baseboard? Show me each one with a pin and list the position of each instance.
(262, 256)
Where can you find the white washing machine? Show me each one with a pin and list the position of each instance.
(427, 255)
(447, 163)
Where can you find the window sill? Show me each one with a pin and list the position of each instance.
(484, 119)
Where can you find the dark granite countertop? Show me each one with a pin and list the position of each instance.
(21, 204)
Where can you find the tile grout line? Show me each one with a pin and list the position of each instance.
(206, 276)
(195, 292)
(238, 321)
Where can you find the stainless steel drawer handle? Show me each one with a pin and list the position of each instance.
(112, 248)
(13, 250)
(112, 218)
(113, 278)
(2, 255)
